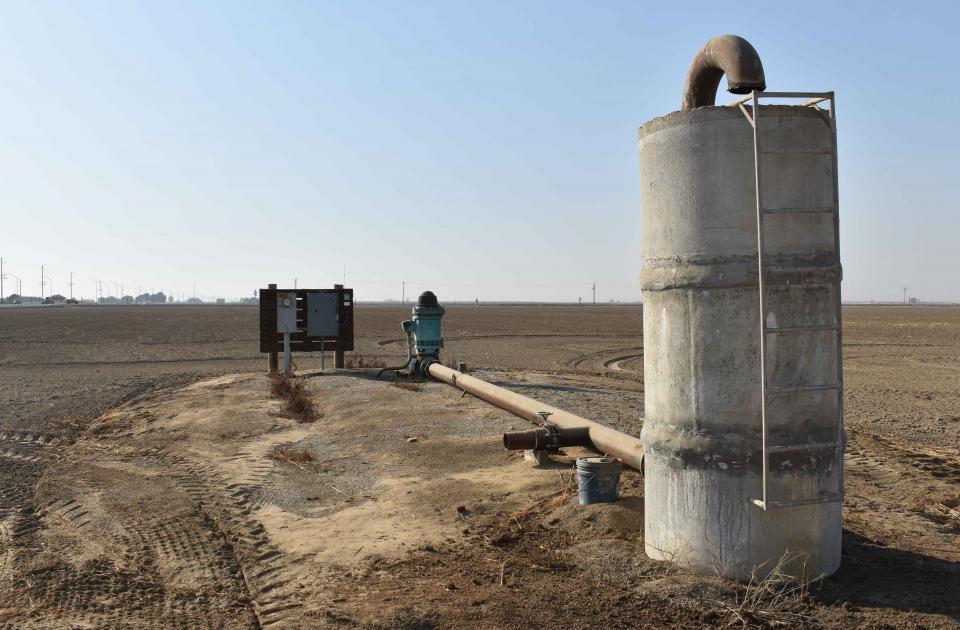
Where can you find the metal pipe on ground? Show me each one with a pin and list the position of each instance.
(606, 440)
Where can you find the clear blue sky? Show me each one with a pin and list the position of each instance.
(480, 149)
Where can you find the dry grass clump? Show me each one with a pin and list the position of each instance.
(297, 401)
(548, 502)
(410, 386)
(357, 361)
(11, 607)
(779, 598)
(279, 386)
(945, 512)
(296, 456)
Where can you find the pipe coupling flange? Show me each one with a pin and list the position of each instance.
(553, 437)
(425, 366)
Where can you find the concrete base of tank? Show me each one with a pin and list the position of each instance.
(704, 518)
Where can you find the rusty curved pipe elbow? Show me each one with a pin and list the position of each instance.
(729, 55)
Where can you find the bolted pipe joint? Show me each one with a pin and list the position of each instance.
(729, 55)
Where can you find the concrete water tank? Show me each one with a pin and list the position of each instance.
(739, 380)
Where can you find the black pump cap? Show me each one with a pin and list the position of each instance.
(427, 298)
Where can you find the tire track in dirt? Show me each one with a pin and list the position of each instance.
(22, 456)
(605, 359)
(940, 464)
(16, 525)
(130, 584)
(227, 506)
(883, 476)
(616, 364)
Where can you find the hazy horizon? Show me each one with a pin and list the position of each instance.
(484, 151)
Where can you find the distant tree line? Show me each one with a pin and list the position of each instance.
(144, 298)
(151, 298)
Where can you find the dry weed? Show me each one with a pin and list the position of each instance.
(70, 424)
(546, 503)
(297, 401)
(778, 598)
(945, 512)
(11, 608)
(296, 456)
(358, 361)
(279, 385)
(410, 386)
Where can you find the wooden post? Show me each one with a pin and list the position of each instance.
(273, 362)
(338, 353)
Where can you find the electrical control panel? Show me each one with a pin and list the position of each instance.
(323, 314)
(286, 312)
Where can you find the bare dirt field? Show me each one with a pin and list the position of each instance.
(150, 480)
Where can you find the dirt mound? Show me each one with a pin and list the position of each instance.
(209, 505)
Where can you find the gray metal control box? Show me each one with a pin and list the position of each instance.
(286, 312)
(323, 314)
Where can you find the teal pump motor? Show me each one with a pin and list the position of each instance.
(423, 333)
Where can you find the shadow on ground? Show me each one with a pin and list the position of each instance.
(872, 574)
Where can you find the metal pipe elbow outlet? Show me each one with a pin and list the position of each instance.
(547, 438)
(729, 55)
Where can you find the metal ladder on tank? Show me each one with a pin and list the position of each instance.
(765, 502)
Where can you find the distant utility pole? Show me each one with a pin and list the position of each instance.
(42, 281)
(904, 295)
(594, 293)
(294, 284)
(580, 301)
(403, 292)
(19, 286)
(1, 280)
(71, 285)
